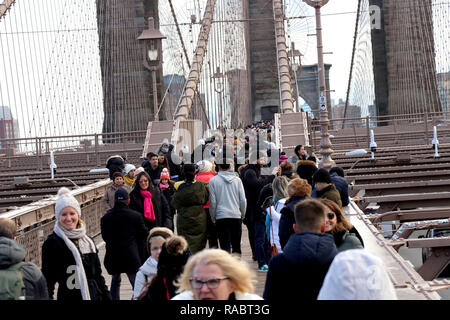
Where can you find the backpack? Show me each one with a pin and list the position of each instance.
(12, 286)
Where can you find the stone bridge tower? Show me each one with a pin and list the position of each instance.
(263, 60)
(127, 90)
(404, 58)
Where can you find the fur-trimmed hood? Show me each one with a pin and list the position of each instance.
(305, 163)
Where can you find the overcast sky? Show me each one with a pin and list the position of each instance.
(338, 33)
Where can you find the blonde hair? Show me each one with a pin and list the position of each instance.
(280, 187)
(7, 228)
(240, 275)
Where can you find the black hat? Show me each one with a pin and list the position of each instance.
(322, 175)
(121, 194)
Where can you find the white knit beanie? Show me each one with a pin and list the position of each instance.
(65, 199)
(129, 167)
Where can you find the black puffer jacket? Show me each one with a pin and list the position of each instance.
(12, 252)
(57, 260)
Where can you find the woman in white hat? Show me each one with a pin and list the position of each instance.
(70, 257)
(129, 176)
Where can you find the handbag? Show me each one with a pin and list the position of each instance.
(273, 247)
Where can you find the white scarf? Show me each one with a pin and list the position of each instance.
(85, 244)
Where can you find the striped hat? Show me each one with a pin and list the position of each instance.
(164, 174)
(283, 158)
(204, 166)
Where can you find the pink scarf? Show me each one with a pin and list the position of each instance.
(149, 213)
(163, 186)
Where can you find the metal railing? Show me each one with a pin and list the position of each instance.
(398, 130)
(35, 221)
(86, 149)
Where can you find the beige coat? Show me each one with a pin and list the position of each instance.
(108, 198)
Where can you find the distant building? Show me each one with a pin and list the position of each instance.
(352, 113)
(8, 128)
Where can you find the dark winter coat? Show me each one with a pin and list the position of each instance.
(253, 183)
(189, 200)
(115, 164)
(155, 174)
(125, 235)
(174, 164)
(57, 258)
(168, 194)
(330, 192)
(265, 193)
(298, 273)
(160, 206)
(287, 220)
(306, 170)
(342, 186)
(12, 252)
(170, 267)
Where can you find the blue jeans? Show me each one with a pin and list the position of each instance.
(115, 284)
(261, 244)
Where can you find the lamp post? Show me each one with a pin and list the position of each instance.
(219, 87)
(296, 66)
(152, 56)
(325, 143)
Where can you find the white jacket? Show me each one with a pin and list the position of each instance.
(226, 196)
(189, 295)
(357, 275)
(148, 269)
(276, 216)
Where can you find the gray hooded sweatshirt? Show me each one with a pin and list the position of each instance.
(226, 196)
(12, 252)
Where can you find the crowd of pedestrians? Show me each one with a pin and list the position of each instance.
(174, 228)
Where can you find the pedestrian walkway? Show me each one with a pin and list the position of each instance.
(126, 291)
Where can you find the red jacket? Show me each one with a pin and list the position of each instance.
(205, 177)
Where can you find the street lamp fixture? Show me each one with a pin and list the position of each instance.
(152, 39)
(219, 87)
(325, 143)
(218, 81)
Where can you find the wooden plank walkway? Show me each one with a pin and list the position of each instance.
(126, 292)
